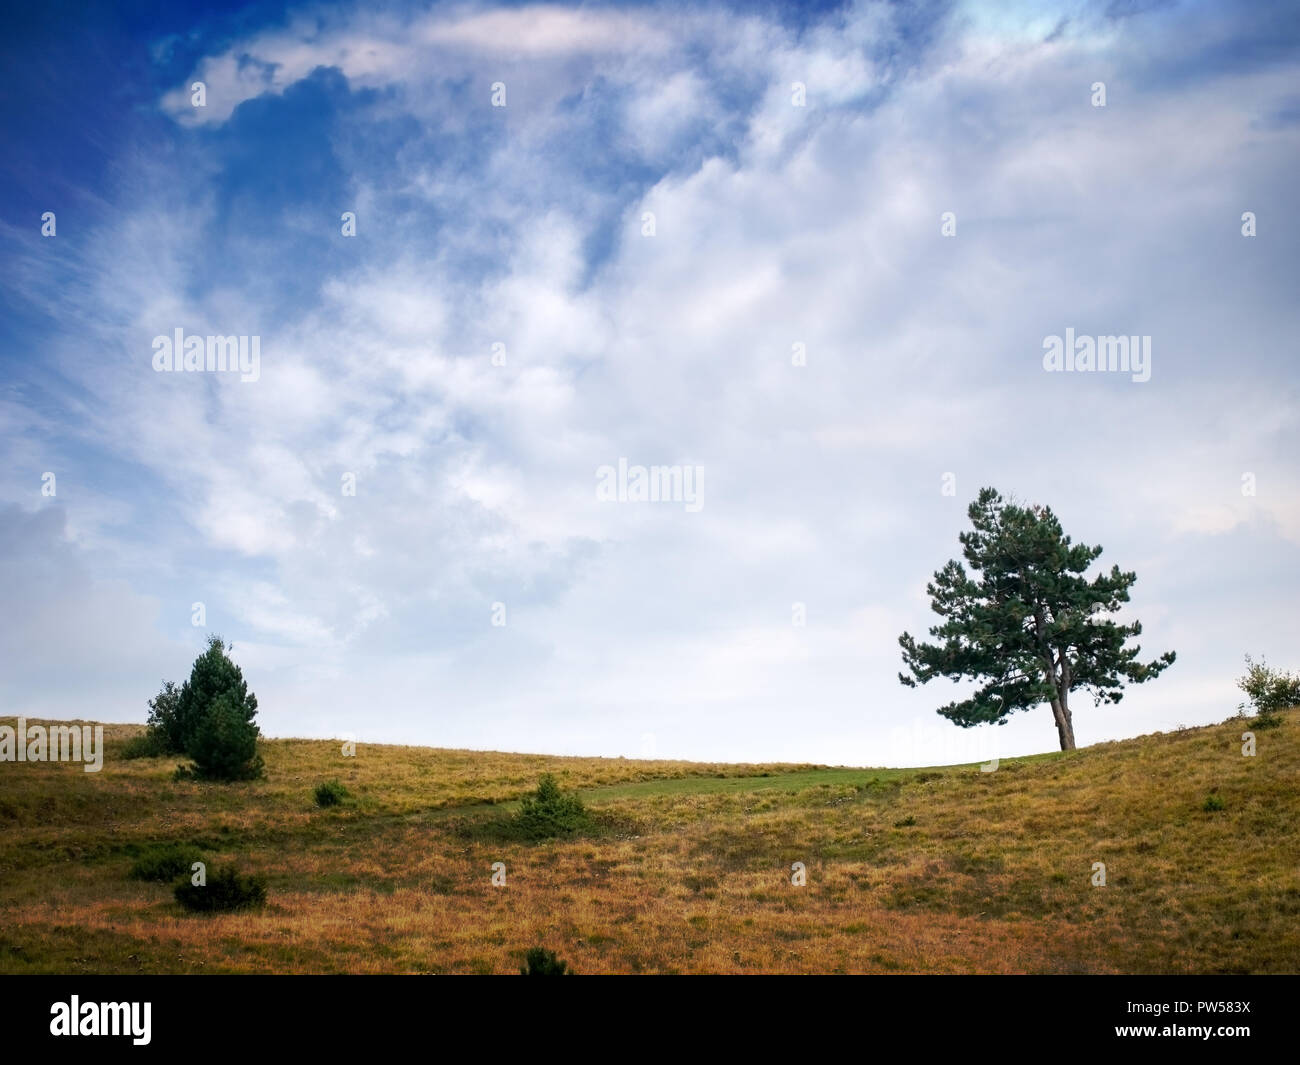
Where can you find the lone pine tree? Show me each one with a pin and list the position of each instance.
(214, 674)
(1031, 627)
(209, 717)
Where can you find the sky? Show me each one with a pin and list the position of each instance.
(490, 254)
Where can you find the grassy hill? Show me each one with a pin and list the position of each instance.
(689, 869)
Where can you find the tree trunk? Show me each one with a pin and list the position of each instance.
(1064, 726)
(1067, 719)
(1061, 698)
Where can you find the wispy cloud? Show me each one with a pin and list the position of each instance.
(503, 323)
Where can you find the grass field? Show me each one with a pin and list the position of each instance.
(689, 869)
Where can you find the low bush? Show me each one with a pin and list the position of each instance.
(551, 812)
(163, 863)
(542, 962)
(150, 744)
(225, 891)
(1270, 690)
(330, 793)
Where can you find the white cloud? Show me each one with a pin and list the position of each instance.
(818, 225)
(372, 52)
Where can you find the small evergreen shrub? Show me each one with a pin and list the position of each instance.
(330, 793)
(1213, 804)
(225, 891)
(550, 812)
(542, 962)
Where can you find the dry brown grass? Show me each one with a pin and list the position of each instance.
(691, 872)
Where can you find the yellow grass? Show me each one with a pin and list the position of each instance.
(690, 871)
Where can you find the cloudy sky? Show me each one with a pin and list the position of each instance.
(710, 236)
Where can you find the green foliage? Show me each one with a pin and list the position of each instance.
(148, 745)
(906, 822)
(213, 675)
(1027, 623)
(550, 812)
(209, 717)
(165, 733)
(1270, 690)
(225, 891)
(1213, 804)
(330, 793)
(163, 863)
(542, 962)
(224, 742)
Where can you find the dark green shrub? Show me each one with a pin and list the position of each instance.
(149, 745)
(542, 962)
(550, 812)
(165, 732)
(224, 892)
(331, 793)
(906, 822)
(163, 863)
(1213, 804)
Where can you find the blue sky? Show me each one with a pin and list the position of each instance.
(636, 628)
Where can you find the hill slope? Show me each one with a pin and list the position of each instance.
(950, 870)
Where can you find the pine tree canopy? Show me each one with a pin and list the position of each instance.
(1021, 618)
